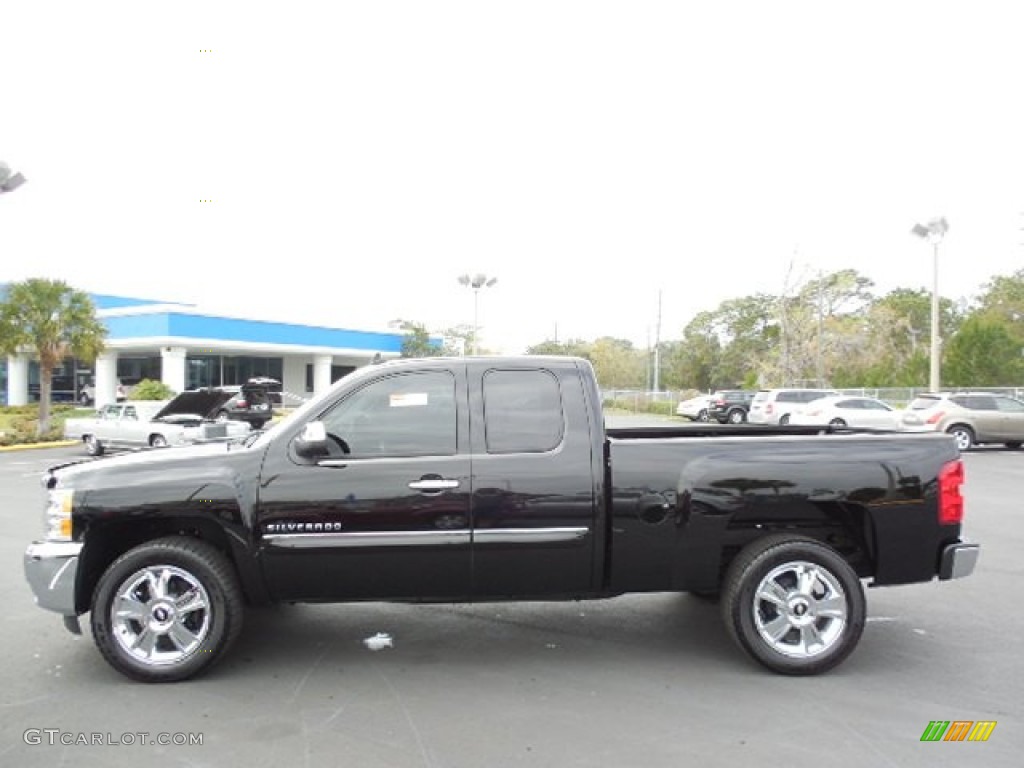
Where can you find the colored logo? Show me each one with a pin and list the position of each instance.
(958, 730)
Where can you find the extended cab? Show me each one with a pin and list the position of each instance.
(488, 479)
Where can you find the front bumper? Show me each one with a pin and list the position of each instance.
(958, 560)
(51, 568)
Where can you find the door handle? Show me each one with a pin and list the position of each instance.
(433, 484)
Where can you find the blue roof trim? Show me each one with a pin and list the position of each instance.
(189, 326)
(106, 301)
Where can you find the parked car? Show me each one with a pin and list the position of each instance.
(848, 411)
(251, 402)
(730, 406)
(477, 479)
(125, 387)
(776, 406)
(153, 423)
(694, 409)
(972, 418)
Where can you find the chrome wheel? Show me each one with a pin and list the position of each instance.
(963, 436)
(794, 604)
(160, 615)
(167, 609)
(800, 609)
(93, 447)
(736, 417)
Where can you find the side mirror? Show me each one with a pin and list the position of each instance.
(312, 441)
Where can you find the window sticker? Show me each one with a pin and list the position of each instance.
(407, 399)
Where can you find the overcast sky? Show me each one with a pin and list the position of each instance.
(359, 156)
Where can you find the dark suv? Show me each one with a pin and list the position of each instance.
(730, 406)
(252, 402)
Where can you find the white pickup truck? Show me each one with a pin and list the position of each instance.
(135, 424)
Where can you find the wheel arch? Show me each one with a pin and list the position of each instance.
(105, 543)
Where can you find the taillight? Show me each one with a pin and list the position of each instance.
(951, 502)
(768, 408)
(241, 404)
(935, 417)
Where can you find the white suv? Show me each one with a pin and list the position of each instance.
(775, 406)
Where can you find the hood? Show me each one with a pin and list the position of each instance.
(196, 402)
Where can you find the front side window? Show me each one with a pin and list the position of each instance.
(111, 412)
(1009, 405)
(522, 411)
(409, 414)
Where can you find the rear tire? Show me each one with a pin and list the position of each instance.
(784, 420)
(737, 416)
(702, 415)
(166, 610)
(793, 604)
(158, 441)
(1013, 446)
(837, 423)
(93, 447)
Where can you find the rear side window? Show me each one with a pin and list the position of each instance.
(761, 396)
(522, 411)
(788, 397)
(980, 403)
(921, 403)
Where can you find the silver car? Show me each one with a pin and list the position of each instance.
(972, 418)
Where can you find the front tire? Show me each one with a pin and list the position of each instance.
(784, 420)
(166, 610)
(837, 423)
(963, 435)
(793, 604)
(158, 441)
(702, 415)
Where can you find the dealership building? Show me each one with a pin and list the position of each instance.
(187, 348)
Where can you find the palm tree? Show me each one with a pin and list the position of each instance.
(50, 320)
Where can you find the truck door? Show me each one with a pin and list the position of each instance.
(534, 492)
(386, 514)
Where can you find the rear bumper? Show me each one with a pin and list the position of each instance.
(958, 560)
(51, 568)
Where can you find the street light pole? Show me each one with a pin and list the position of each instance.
(934, 232)
(476, 282)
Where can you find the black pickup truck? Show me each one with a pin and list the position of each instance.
(494, 479)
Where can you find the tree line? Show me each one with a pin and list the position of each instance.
(829, 331)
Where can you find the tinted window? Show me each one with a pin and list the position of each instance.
(522, 411)
(129, 412)
(980, 403)
(875, 405)
(921, 403)
(788, 397)
(406, 415)
(1009, 405)
(857, 404)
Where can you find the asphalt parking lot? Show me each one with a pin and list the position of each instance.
(647, 680)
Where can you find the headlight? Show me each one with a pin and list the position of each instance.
(58, 514)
